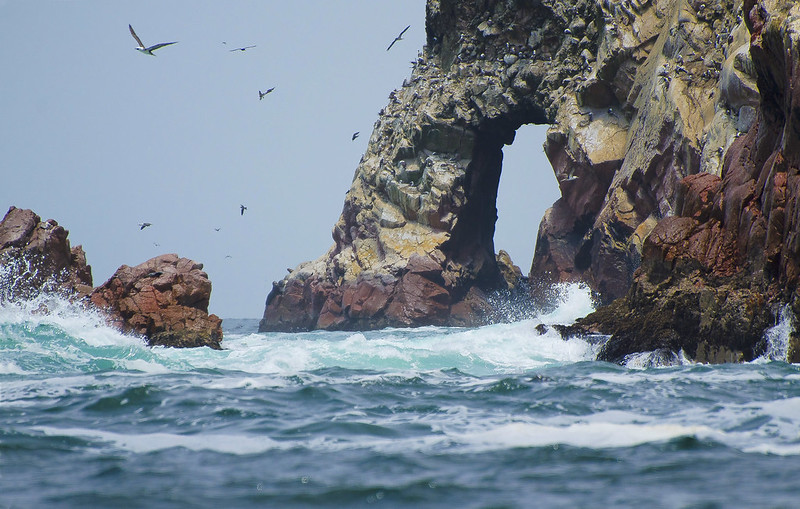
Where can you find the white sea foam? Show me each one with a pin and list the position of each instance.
(656, 359)
(151, 442)
(574, 301)
(595, 435)
(777, 337)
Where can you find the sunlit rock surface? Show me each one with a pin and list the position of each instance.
(715, 275)
(164, 299)
(638, 94)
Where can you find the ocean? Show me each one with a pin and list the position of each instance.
(490, 417)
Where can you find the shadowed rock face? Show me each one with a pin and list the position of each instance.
(639, 94)
(164, 299)
(36, 256)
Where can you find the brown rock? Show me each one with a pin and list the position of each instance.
(164, 299)
(36, 256)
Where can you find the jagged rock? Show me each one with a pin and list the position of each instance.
(164, 299)
(713, 277)
(36, 256)
(639, 96)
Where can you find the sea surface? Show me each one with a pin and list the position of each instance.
(490, 417)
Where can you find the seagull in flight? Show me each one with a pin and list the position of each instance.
(355, 135)
(398, 38)
(262, 94)
(142, 226)
(243, 48)
(150, 49)
(242, 208)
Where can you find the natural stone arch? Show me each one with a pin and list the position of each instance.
(414, 243)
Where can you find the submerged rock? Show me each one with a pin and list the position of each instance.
(164, 299)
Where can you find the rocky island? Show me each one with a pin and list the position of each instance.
(165, 299)
(673, 136)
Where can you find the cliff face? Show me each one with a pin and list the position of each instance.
(639, 95)
(713, 277)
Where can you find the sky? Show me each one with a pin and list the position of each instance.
(101, 137)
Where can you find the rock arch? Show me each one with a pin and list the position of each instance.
(414, 243)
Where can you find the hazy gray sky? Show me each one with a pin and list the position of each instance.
(100, 137)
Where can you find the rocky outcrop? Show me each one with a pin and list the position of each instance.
(36, 256)
(714, 276)
(639, 95)
(165, 299)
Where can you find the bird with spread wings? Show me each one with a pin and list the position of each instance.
(398, 38)
(148, 49)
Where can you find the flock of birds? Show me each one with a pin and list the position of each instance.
(148, 50)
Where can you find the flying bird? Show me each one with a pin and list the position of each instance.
(242, 208)
(150, 49)
(243, 48)
(142, 226)
(355, 135)
(262, 94)
(216, 229)
(398, 38)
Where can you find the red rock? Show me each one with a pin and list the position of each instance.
(164, 299)
(36, 256)
(419, 299)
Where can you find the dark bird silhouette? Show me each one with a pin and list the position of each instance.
(148, 49)
(142, 226)
(262, 94)
(398, 38)
(216, 229)
(355, 135)
(242, 208)
(243, 48)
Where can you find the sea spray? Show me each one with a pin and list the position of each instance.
(777, 336)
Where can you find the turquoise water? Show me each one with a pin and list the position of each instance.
(496, 416)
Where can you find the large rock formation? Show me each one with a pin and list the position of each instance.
(36, 256)
(639, 95)
(713, 277)
(165, 299)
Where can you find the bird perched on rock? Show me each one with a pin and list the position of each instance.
(142, 226)
(242, 208)
(243, 48)
(398, 38)
(262, 94)
(355, 135)
(149, 49)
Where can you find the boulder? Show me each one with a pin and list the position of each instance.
(164, 299)
(36, 256)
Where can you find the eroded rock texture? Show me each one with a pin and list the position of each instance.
(713, 277)
(165, 299)
(36, 256)
(639, 94)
